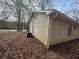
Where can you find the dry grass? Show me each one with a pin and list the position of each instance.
(18, 46)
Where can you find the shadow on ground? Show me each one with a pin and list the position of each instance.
(66, 50)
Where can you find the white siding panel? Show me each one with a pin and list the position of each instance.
(31, 25)
(41, 27)
(75, 32)
(59, 31)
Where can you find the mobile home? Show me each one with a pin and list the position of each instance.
(52, 27)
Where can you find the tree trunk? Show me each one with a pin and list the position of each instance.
(19, 6)
(19, 20)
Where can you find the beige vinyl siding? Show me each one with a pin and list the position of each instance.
(59, 31)
(40, 30)
(56, 29)
(75, 32)
(32, 25)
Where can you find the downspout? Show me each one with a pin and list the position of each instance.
(33, 27)
(33, 23)
(49, 29)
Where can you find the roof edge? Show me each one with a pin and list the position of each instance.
(54, 11)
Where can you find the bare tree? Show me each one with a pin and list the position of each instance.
(19, 7)
(15, 6)
(74, 9)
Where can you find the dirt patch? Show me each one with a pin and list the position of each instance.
(18, 46)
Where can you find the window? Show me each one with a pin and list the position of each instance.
(74, 27)
(69, 30)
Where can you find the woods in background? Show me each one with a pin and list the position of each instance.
(12, 25)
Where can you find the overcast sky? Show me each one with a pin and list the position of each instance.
(65, 5)
(61, 5)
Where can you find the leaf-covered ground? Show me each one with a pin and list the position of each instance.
(18, 46)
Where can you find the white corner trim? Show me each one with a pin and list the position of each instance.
(48, 37)
(49, 29)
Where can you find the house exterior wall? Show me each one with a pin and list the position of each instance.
(32, 25)
(59, 31)
(39, 27)
(75, 32)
